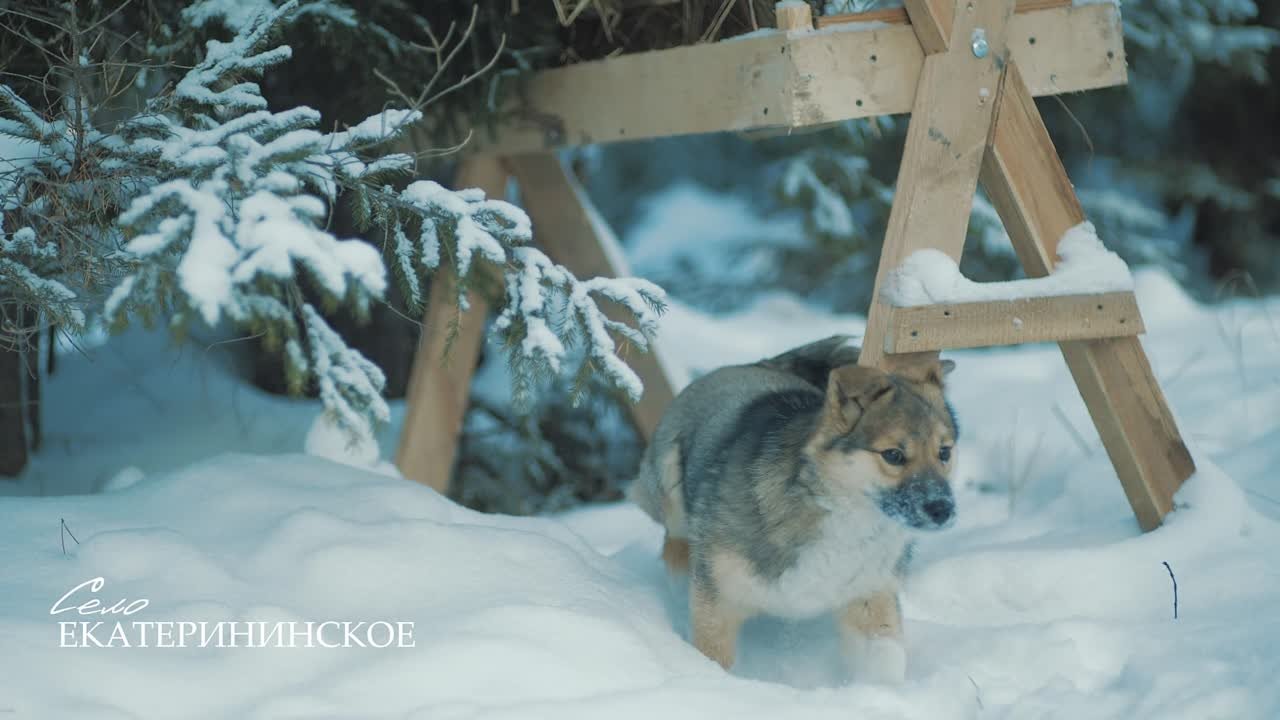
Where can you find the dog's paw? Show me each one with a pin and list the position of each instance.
(877, 659)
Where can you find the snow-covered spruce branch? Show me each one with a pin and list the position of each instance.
(231, 229)
(56, 197)
(546, 306)
(546, 311)
(207, 206)
(22, 259)
(231, 225)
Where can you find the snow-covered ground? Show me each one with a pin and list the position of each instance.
(1043, 602)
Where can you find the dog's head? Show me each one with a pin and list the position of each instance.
(890, 437)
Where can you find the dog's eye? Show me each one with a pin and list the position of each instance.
(894, 456)
(944, 454)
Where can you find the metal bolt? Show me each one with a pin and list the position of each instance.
(979, 43)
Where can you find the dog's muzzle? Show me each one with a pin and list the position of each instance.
(923, 502)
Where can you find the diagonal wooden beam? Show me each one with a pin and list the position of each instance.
(440, 384)
(1030, 189)
(932, 20)
(1025, 179)
(946, 139)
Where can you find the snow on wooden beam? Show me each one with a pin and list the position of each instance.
(785, 80)
(1012, 322)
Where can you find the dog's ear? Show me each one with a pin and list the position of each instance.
(931, 370)
(852, 389)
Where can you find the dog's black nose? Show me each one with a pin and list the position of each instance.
(939, 511)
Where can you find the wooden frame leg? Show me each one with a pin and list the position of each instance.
(932, 20)
(439, 386)
(1029, 187)
(946, 139)
(569, 229)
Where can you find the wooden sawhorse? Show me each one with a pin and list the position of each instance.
(967, 71)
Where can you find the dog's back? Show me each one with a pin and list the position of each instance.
(709, 408)
(702, 419)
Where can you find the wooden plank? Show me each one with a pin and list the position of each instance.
(440, 385)
(568, 228)
(899, 16)
(1029, 187)
(1133, 419)
(875, 72)
(931, 20)
(730, 85)
(1012, 322)
(783, 80)
(1025, 180)
(1043, 41)
(946, 139)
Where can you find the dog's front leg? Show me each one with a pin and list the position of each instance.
(715, 622)
(872, 633)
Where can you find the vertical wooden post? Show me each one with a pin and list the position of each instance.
(439, 386)
(1029, 187)
(567, 227)
(946, 138)
(793, 16)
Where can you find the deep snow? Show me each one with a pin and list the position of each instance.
(1044, 602)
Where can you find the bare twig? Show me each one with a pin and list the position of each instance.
(977, 692)
(1173, 377)
(442, 64)
(1088, 141)
(1018, 479)
(717, 21)
(502, 43)
(1071, 430)
(63, 533)
(230, 341)
(1175, 589)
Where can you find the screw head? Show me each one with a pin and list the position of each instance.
(979, 43)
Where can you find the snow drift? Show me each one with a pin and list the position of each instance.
(1044, 602)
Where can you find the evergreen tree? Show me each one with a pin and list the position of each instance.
(203, 204)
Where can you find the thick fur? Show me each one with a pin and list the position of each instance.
(771, 480)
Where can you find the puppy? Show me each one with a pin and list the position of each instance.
(794, 486)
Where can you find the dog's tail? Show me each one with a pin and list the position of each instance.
(644, 491)
(658, 489)
(814, 362)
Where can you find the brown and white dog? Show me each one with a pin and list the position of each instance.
(794, 486)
